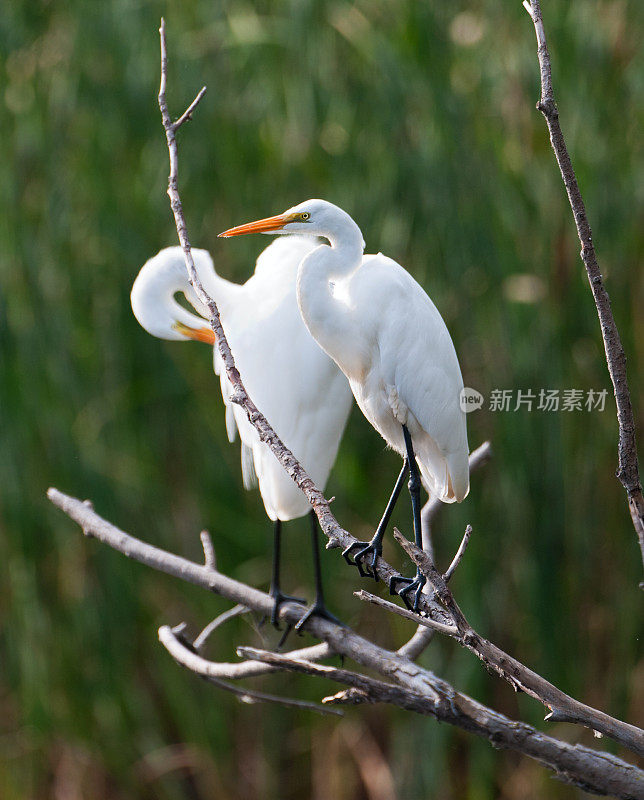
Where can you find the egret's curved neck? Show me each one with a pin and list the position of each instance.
(328, 318)
(160, 278)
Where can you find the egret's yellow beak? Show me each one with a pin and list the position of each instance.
(260, 226)
(204, 334)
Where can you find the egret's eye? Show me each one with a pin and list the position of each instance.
(305, 216)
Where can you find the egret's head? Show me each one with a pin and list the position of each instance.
(312, 217)
(153, 297)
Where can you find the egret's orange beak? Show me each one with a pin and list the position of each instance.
(204, 334)
(261, 226)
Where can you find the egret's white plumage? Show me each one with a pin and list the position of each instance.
(292, 381)
(388, 338)
(386, 335)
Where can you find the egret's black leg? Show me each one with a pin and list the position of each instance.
(411, 586)
(275, 590)
(375, 545)
(319, 607)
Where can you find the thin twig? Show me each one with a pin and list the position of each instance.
(207, 669)
(250, 669)
(459, 554)
(380, 690)
(628, 471)
(187, 114)
(417, 643)
(211, 627)
(426, 622)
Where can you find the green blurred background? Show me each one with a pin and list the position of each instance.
(418, 118)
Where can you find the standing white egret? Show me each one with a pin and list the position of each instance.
(388, 338)
(292, 381)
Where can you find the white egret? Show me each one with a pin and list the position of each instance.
(388, 338)
(297, 387)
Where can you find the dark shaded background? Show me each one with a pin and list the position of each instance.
(418, 118)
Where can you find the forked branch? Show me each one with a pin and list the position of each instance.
(561, 706)
(403, 683)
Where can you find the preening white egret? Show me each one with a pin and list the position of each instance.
(388, 338)
(297, 387)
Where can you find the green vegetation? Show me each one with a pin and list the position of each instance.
(418, 118)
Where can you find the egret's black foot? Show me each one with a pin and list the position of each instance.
(278, 599)
(319, 610)
(363, 549)
(411, 587)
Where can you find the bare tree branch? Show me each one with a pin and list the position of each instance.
(417, 643)
(561, 705)
(593, 770)
(250, 669)
(213, 673)
(378, 691)
(459, 554)
(424, 622)
(236, 611)
(627, 472)
(187, 114)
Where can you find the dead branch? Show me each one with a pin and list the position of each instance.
(459, 554)
(186, 656)
(246, 669)
(419, 688)
(627, 472)
(561, 706)
(236, 611)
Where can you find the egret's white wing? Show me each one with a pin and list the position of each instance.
(417, 371)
